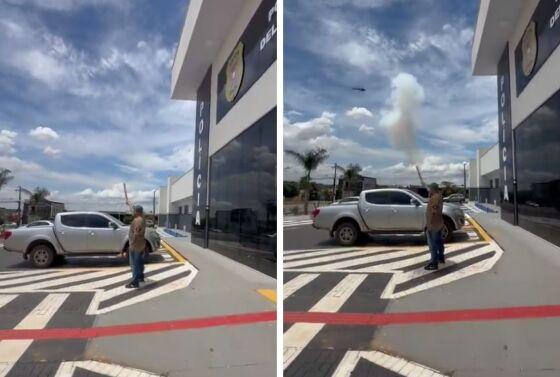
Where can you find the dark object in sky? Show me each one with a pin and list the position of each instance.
(359, 89)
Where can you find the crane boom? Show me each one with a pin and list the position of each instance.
(126, 199)
(420, 176)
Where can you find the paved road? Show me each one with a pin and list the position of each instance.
(71, 295)
(320, 276)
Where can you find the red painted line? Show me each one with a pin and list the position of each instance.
(140, 328)
(467, 315)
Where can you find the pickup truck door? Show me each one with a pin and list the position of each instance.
(101, 236)
(406, 215)
(376, 210)
(71, 232)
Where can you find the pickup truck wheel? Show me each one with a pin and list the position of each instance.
(347, 234)
(42, 256)
(447, 231)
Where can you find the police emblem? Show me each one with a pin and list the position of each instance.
(234, 72)
(529, 48)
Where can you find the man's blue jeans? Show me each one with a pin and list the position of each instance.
(435, 243)
(136, 259)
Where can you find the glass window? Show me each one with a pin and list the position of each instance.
(38, 223)
(537, 156)
(242, 219)
(379, 197)
(76, 221)
(96, 221)
(400, 198)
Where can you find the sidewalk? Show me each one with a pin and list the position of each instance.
(221, 287)
(526, 275)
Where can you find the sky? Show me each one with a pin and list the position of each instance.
(85, 99)
(421, 105)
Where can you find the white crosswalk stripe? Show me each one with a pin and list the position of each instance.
(107, 283)
(67, 369)
(12, 350)
(407, 264)
(298, 222)
(300, 334)
(392, 363)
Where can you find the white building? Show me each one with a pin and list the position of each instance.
(484, 176)
(175, 202)
(517, 41)
(226, 62)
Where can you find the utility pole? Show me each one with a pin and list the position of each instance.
(334, 183)
(154, 205)
(465, 180)
(19, 206)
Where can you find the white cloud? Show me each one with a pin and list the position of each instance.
(359, 3)
(43, 134)
(7, 142)
(68, 5)
(308, 130)
(433, 169)
(50, 151)
(359, 112)
(367, 129)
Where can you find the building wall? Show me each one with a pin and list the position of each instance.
(162, 205)
(543, 85)
(259, 99)
(490, 161)
(182, 187)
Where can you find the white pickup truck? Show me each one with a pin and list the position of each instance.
(383, 211)
(73, 234)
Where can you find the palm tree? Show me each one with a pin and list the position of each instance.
(5, 177)
(352, 172)
(309, 161)
(350, 175)
(39, 195)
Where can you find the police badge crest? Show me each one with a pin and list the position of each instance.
(234, 72)
(529, 48)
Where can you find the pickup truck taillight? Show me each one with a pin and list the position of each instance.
(6, 234)
(315, 212)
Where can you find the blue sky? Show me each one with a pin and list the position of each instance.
(422, 104)
(84, 98)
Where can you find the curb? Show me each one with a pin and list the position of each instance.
(269, 294)
(480, 230)
(174, 253)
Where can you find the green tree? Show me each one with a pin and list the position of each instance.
(309, 161)
(39, 195)
(291, 189)
(5, 177)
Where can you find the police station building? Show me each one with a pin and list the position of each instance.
(517, 41)
(226, 62)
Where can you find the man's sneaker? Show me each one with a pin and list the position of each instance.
(141, 280)
(132, 285)
(431, 266)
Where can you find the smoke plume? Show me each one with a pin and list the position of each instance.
(406, 98)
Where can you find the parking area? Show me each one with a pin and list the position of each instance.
(334, 281)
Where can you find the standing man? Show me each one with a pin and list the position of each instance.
(137, 244)
(434, 226)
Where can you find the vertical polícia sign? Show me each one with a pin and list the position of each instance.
(505, 138)
(200, 168)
